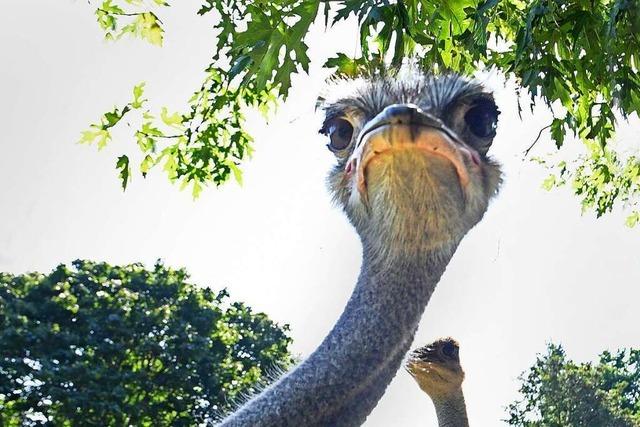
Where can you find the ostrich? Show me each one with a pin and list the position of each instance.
(436, 368)
(413, 177)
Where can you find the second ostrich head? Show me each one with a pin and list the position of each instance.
(436, 368)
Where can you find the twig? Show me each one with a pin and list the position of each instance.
(120, 13)
(130, 14)
(159, 136)
(526, 153)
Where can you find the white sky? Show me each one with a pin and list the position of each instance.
(533, 270)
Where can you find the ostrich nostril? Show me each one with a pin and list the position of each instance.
(401, 113)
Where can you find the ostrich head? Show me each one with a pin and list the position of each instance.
(436, 368)
(412, 170)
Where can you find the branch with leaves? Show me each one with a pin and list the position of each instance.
(580, 58)
(143, 24)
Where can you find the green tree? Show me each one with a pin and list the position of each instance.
(578, 57)
(95, 344)
(557, 392)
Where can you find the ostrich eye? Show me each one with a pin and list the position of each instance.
(449, 350)
(482, 118)
(340, 132)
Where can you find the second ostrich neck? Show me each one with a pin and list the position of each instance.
(451, 410)
(341, 382)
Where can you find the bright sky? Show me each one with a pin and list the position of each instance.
(532, 271)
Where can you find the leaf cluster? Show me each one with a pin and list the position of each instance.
(95, 344)
(207, 143)
(581, 59)
(143, 24)
(578, 57)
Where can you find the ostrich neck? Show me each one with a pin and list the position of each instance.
(451, 411)
(343, 379)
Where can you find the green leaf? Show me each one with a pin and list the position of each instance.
(124, 170)
(557, 132)
(150, 29)
(88, 136)
(240, 65)
(237, 173)
(549, 182)
(146, 164)
(633, 219)
(138, 91)
(174, 120)
(196, 189)
(108, 7)
(101, 135)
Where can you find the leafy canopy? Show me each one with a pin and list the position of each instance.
(557, 392)
(95, 344)
(578, 57)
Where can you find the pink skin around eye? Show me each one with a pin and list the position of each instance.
(475, 157)
(349, 168)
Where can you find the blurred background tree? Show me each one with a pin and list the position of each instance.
(577, 57)
(557, 392)
(95, 344)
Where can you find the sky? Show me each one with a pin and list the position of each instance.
(533, 271)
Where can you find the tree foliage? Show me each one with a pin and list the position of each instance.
(557, 392)
(578, 57)
(94, 344)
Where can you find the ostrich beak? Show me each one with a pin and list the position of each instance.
(406, 127)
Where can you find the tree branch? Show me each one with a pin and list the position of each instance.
(526, 153)
(120, 13)
(159, 136)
